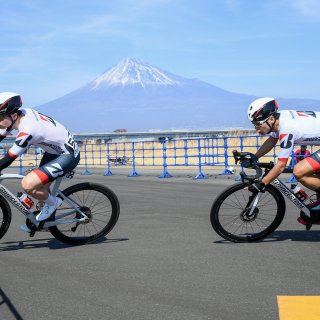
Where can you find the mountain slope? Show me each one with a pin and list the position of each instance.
(138, 96)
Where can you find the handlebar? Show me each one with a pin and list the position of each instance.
(5, 176)
(252, 162)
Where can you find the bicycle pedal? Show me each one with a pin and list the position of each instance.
(41, 224)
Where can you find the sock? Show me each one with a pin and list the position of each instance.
(51, 200)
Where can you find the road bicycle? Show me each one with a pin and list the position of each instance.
(241, 213)
(88, 212)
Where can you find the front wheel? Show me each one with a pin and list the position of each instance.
(97, 202)
(5, 216)
(233, 219)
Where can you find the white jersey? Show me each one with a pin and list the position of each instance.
(301, 127)
(42, 131)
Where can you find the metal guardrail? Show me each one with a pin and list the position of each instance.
(163, 153)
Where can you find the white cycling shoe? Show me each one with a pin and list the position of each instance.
(25, 228)
(47, 210)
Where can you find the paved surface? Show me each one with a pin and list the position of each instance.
(161, 261)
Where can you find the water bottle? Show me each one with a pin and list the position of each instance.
(25, 200)
(299, 192)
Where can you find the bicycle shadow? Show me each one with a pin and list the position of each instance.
(6, 301)
(284, 235)
(294, 235)
(50, 243)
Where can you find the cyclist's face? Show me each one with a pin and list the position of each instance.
(262, 127)
(4, 122)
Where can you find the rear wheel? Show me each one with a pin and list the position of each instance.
(98, 203)
(233, 219)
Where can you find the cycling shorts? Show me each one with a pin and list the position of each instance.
(314, 161)
(53, 166)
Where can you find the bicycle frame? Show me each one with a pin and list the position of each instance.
(290, 195)
(28, 213)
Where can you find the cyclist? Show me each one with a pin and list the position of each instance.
(301, 153)
(61, 152)
(288, 127)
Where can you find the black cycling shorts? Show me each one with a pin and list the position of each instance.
(53, 166)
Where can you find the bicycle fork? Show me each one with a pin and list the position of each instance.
(256, 199)
(250, 211)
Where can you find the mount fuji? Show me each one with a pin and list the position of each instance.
(137, 96)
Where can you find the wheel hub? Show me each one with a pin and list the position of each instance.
(87, 212)
(247, 217)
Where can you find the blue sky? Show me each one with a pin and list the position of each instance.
(266, 47)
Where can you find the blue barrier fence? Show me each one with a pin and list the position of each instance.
(162, 153)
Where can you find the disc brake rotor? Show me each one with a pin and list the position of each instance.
(247, 217)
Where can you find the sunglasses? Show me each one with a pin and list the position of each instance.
(259, 124)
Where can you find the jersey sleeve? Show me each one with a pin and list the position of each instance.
(22, 143)
(286, 138)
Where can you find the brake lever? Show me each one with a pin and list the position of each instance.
(236, 156)
(251, 178)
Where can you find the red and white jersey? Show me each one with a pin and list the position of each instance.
(42, 131)
(301, 127)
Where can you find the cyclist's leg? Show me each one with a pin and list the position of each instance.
(33, 185)
(304, 172)
(37, 183)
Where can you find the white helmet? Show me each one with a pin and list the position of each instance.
(10, 102)
(262, 108)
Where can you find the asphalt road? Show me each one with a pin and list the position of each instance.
(161, 261)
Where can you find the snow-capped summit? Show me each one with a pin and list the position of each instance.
(132, 71)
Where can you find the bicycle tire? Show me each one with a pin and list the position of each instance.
(98, 201)
(219, 217)
(5, 216)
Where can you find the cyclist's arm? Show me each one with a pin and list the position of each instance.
(286, 147)
(6, 160)
(21, 144)
(3, 134)
(266, 147)
(275, 172)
